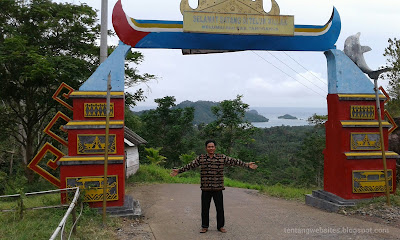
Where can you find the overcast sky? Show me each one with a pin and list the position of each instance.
(261, 77)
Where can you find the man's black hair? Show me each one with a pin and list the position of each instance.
(210, 141)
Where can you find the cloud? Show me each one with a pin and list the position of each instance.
(285, 91)
(218, 77)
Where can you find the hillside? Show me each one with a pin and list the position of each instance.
(202, 110)
(203, 114)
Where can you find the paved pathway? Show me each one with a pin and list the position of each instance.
(172, 211)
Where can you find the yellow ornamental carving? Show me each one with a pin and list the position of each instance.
(97, 110)
(231, 6)
(95, 144)
(366, 142)
(93, 187)
(238, 17)
(362, 112)
(367, 181)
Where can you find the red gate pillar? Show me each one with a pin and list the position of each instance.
(353, 167)
(84, 165)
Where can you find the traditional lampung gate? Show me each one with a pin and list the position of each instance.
(353, 163)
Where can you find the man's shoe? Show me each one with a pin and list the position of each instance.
(223, 230)
(203, 230)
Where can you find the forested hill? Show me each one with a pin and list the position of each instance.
(203, 114)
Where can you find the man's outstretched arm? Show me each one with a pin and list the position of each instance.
(236, 162)
(194, 164)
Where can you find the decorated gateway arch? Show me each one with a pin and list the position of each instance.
(352, 159)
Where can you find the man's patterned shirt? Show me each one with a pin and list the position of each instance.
(212, 170)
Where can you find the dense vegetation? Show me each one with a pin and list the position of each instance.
(392, 53)
(285, 155)
(43, 44)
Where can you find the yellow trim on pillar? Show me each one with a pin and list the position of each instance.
(80, 93)
(371, 123)
(360, 96)
(365, 154)
(97, 158)
(80, 123)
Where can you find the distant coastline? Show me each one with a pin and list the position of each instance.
(203, 113)
(272, 113)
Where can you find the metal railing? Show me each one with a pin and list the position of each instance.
(71, 208)
(61, 226)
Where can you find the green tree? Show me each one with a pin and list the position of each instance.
(168, 127)
(230, 128)
(43, 44)
(154, 157)
(392, 52)
(187, 158)
(310, 159)
(132, 121)
(317, 120)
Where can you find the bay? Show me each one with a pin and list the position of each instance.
(272, 113)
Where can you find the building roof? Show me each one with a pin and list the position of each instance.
(132, 137)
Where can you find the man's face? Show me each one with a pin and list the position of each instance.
(210, 148)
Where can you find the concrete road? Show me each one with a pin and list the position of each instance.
(172, 211)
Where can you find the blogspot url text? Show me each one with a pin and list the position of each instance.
(342, 230)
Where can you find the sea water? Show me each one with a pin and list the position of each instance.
(272, 113)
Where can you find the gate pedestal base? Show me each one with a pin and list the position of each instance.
(328, 201)
(130, 209)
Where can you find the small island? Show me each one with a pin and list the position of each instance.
(254, 116)
(287, 116)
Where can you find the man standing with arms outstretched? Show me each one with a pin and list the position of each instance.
(212, 182)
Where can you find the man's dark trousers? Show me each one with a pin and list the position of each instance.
(205, 208)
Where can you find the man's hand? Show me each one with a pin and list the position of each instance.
(253, 165)
(174, 172)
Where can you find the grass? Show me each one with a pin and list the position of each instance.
(40, 224)
(380, 201)
(157, 174)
